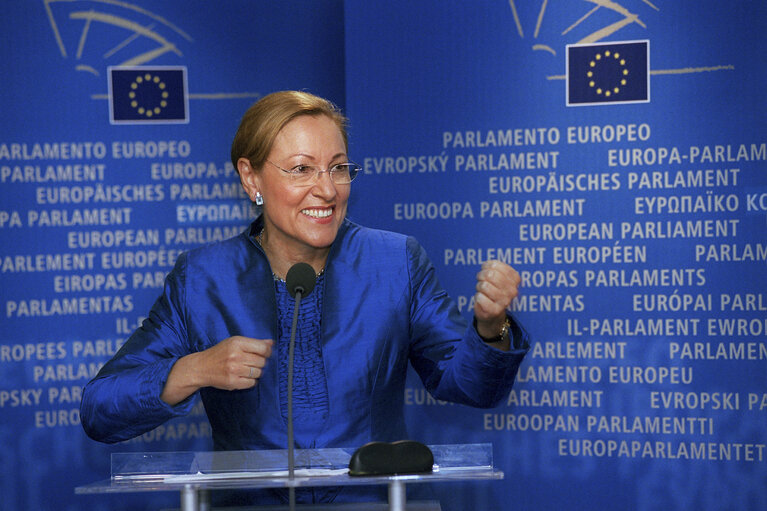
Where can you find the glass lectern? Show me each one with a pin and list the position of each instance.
(195, 474)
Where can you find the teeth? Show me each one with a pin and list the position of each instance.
(317, 213)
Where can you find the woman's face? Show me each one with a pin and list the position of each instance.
(303, 218)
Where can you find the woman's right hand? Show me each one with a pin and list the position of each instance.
(235, 363)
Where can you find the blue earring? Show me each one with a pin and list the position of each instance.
(259, 199)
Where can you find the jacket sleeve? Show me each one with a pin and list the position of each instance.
(447, 352)
(123, 399)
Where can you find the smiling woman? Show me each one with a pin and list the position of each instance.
(376, 307)
(301, 215)
(283, 142)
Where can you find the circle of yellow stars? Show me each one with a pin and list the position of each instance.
(148, 79)
(607, 91)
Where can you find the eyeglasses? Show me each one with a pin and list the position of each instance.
(305, 175)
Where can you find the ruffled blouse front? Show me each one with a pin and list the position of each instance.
(310, 389)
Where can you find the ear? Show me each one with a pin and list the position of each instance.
(249, 178)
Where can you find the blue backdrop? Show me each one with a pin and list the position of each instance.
(637, 219)
(94, 213)
(613, 152)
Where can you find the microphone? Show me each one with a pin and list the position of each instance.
(300, 281)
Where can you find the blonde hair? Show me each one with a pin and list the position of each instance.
(265, 118)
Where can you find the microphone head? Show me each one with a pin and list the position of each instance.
(300, 279)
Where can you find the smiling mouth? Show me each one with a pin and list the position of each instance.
(318, 213)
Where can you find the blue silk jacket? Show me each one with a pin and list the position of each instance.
(383, 308)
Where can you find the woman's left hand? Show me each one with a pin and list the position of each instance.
(497, 285)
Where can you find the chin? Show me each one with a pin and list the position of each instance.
(323, 240)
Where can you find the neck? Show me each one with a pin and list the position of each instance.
(281, 259)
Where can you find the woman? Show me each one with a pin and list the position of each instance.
(221, 326)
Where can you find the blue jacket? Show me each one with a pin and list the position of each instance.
(383, 308)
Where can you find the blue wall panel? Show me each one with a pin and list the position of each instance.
(637, 223)
(92, 214)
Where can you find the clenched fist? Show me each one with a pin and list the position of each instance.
(234, 363)
(497, 285)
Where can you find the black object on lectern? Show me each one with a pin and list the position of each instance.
(381, 458)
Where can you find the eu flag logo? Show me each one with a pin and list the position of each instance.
(140, 95)
(608, 73)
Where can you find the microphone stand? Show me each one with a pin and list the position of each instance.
(300, 280)
(291, 349)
